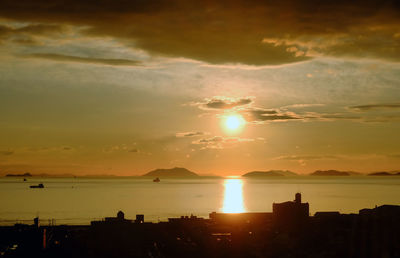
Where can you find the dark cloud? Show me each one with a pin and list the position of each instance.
(25, 41)
(382, 118)
(190, 134)
(248, 32)
(91, 60)
(394, 156)
(260, 115)
(26, 34)
(40, 29)
(330, 116)
(221, 102)
(34, 29)
(375, 107)
(6, 152)
(339, 117)
(257, 115)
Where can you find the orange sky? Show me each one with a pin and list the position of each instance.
(126, 87)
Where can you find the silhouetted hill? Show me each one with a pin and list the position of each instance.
(261, 174)
(171, 172)
(53, 175)
(285, 172)
(352, 173)
(384, 173)
(330, 173)
(20, 175)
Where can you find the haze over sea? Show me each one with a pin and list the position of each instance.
(80, 200)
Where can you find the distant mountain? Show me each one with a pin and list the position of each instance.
(19, 175)
(269, 173)
(262, 174)
(53, 175)
(384, 173)
(172, 172)
(285, 172)
(352, 173)
(330, 173)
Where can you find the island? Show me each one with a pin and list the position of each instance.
(262, 174)
(19, 175)
(171, 172)
(383, 174)
(330, 173)
(270, 173)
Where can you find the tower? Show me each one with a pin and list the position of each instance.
(297, 198)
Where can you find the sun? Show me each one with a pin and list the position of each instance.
(233, 123)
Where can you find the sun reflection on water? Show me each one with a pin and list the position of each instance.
(233, 196)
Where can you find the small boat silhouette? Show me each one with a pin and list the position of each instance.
(156, 180)
(24, 179)
(37, 186)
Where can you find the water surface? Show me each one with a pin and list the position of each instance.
(80, 200)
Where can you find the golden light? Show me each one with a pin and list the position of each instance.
(233, 196)
(234, 123)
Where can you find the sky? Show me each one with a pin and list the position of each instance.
(218, 87)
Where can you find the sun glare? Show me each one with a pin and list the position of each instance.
(233, 196)
(234, 123)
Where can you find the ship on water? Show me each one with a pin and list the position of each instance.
(37, 186)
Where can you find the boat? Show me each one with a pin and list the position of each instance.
(156, 180)
(37, 186)
(24, 179)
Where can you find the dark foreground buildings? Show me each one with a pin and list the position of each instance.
(288, 231)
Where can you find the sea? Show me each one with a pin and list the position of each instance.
(78, 201)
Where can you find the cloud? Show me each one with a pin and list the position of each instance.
(6, 152)
(261, 115)
(394, 156)
(90, 60)
(248, 32)
(257, 115)
(219, 142)
(222, 102)
(303, 105)
(330, 116)
(27, 35)
(189, 134)
(32, 29)
(302, 159)
(375, 107)
(307, 157)
(244, 106)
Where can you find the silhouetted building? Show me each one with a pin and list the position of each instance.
(291, 215)
(241, 218)
(36, 222)
(139, 218)
(120, 219)
(378, 232)
(326, 214)
(190, 218)
(384, 210)
(287, 232)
